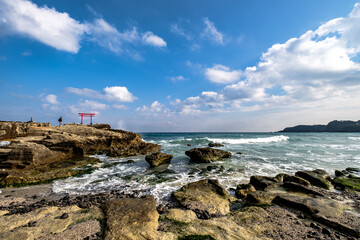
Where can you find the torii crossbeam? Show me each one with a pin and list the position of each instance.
(86, 115)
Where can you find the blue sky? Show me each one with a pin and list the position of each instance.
(181, 65)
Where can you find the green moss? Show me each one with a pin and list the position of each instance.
(347, 183)
(196, 237)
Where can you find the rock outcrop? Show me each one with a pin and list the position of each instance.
(156, 159)
(333, 126)
(207, 198)
(207, 155)
(215, 144)
(38, 147)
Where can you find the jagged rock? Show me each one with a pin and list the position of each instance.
(242, 190)
(262, 182)
(347, 183)
(207, 155)
(156, 159)
(317, 178)
(215, 145)
(207, 198)
(295, 179)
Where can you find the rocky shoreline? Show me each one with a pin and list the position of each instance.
(306, 205)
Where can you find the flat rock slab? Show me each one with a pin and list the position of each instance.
(45, 223)
(317, 178)
(206, 198)
(207, 155)
(133, 218)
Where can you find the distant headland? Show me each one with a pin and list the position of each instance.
(333, 126)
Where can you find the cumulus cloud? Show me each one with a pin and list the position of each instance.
(318, 71)
(52, 99)
(222, 74)
(114, 93)
(212, 33)
(93, 105)
(44, 24)
(60, 31)
(153, 109)
(150, 38)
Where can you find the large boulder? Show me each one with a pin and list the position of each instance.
(132, 218)
(207, 155)
(207, 198)
(215, 144)
(262, 182)
(242, 190)
(349, 183)
(156, 159)
(318, 177)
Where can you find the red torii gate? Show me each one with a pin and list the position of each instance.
(86, 115)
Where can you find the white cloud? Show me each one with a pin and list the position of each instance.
(120, 106)
(62, 32)
(177, 78)
(222, 74)
(93, 105)
(212, 33)
(44, 24)
(114, 93)
(52, 99)
(153, 109)
(150, 38)
(117, 93)
(178, 29)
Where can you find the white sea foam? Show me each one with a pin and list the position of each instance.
(250, 140)
(354, 138)
(4, 143)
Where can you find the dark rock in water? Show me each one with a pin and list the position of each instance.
(352, 169)
(347, 183)
(132, 218)
(207, 198)
(189, 145)
(207, 155)
(339, 173)
(242, 190)
(239, 153)
(262, 182)
(295, 179)
(319, 178)
(157, 159)
(130, 161)
(215, 145)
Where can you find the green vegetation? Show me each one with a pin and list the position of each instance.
(348, 183)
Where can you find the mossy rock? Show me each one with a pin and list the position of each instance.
(197, 237)
(347, 183)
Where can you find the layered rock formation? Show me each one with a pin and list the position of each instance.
(207, 155)
(38, 148)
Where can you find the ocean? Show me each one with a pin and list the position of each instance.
(261, 154)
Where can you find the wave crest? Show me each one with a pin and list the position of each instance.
(250, 140)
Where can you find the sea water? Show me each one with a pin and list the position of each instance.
(252, 154)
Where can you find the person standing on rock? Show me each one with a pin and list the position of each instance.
(60, 121)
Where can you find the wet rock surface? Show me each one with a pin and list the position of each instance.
(207, 155)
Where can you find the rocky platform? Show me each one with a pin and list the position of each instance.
(280, 207)
(40, 153)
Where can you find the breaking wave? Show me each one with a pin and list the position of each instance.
(250, 140)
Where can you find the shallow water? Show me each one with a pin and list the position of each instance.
(262, 154)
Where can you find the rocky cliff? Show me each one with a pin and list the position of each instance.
(37, 147)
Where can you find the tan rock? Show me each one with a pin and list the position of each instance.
(180, 215)
(44, 222)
